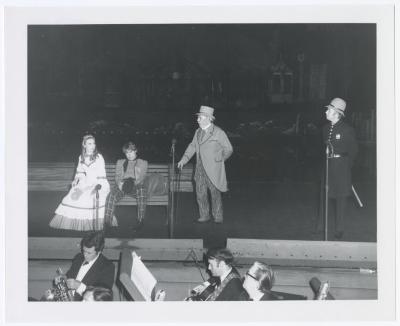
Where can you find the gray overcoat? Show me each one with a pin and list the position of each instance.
(214, 149)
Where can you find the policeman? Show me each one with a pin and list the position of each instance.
(341, 150)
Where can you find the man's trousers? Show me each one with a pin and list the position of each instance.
(116, 195)
(203, 183)
(337, 205)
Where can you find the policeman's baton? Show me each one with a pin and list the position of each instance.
(356, 195)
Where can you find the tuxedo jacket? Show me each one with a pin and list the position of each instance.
(270, 296)
(274, 295)
(233, 291)
(101, 273)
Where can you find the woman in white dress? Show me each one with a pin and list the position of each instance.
(82, 209)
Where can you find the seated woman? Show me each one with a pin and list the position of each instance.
(258, 282)
(82, 209)
(130, 174)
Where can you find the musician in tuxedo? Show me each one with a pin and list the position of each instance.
(224, 284)
(258, 282)
(229, 285)
(90, 267)
(212, 148)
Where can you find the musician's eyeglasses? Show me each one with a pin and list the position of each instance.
(253, 277)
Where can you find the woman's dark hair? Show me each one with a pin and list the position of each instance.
(93, 239)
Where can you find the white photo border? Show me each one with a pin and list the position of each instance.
(19, 310)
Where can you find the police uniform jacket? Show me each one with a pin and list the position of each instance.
(341, 141)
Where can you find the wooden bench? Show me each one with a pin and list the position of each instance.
(46, 176)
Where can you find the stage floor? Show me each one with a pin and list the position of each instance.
(275, 210)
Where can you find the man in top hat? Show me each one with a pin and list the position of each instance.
(212, 148)
(341, 150)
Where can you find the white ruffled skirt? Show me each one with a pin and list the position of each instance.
(79, 210)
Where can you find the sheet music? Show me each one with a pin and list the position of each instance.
(142, 277)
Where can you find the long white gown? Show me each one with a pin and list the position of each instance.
(77, 210)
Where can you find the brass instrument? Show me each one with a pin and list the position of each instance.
(60, 291)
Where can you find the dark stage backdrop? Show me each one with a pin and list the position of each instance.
(267, 82)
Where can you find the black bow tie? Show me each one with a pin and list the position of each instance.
(85, 263)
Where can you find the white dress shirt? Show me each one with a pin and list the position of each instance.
(257, 296)
(206, 127)
(81, 274)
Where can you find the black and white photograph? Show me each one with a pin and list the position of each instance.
(162, 158)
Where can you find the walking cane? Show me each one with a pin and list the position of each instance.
(357, 197)
(172, 212)
(177, 191)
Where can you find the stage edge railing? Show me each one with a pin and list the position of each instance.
(338, 254)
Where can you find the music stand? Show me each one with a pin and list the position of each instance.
(137, 280)
(315, 285)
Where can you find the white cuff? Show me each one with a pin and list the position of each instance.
(81, 288)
